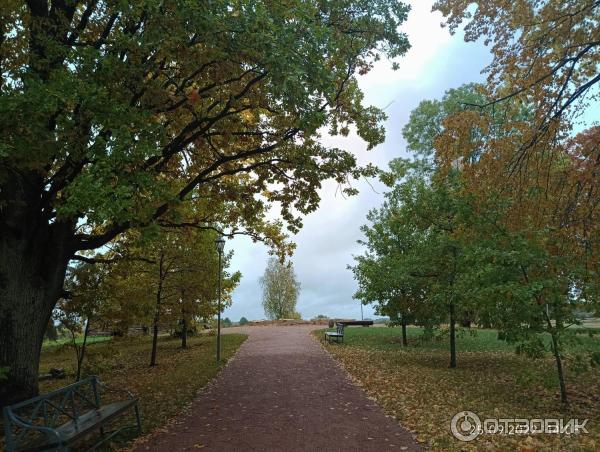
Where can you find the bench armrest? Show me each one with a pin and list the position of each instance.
(10, 418)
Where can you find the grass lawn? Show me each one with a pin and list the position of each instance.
(163, 391)
(415, 385)
(79, 340)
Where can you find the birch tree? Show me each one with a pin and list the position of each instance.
(280, 290)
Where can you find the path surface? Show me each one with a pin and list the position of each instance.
(282, 392)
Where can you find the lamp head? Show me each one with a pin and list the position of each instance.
(220, 244)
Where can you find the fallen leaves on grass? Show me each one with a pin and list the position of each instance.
(163, 391)
(416, 386)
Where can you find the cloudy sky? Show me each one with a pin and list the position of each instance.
(326, 244)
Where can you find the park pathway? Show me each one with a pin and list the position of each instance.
(282, 392)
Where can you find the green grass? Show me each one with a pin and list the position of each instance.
(79, 340)
(390, 339)
(469, 340)
(415, 385)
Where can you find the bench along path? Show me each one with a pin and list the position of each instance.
(282, 392)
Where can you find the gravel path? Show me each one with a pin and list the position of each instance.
(282, 392)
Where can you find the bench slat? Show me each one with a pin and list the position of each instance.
(71, 431)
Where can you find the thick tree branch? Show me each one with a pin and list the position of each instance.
(100, 260)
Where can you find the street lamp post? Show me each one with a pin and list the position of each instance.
(220, 244)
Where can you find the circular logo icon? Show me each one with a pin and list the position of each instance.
(466, 426)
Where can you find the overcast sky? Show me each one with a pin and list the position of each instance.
(326, 244)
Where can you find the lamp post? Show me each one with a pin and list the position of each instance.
(220, 244)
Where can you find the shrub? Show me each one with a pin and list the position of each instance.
(320, 317)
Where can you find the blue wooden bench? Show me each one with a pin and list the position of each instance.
(55, 421)
(337, 335)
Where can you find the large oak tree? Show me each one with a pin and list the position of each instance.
(113, 113)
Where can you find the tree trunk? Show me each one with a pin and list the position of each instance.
(155, 332)
(71, 329)
(31, 281)
(404, 338)
(184, 332)
(21, 336)
(555, 342)
(452, 336)
(184, 325)
(452, 312)
(559, 369)
(557, 358)
(83, 346)
(157, 311)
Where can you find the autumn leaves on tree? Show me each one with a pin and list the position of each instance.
(134, 130)
(495, 219)
(115, 115)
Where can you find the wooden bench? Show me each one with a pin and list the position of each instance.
(337, 335)
(56, 420)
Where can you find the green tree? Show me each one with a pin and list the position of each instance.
(426, 122)
(280, 290)
(417, 258)
(243, 321)
(525, 283)
(514, 253)
(82, 305)
(194, 276)
(544, 222)
(414, 258)
(174, 273)
(114, 113)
